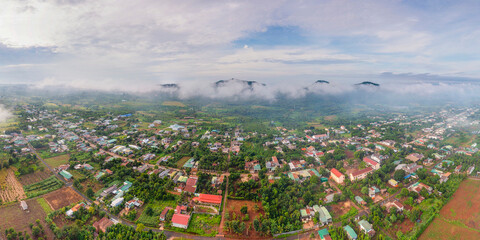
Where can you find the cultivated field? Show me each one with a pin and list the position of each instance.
(13, 216)
(58, 160)
(34, 177)
(62, 198)
(10, 188)
(50, 184)
(182, 161)
(460, 218)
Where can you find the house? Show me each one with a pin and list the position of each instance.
(191, 185)
(395, 204)
(324, 234)
(23, 205)
(414, 157)
(133, 203)
(360, 174)
(307, 213)
(337, 176)
(360, 200)
(374, 164)
(350, 232)
(418, 186)
(324, 216)
(208, 199)
(116, 202)
(164, 213)
(65, 174)
(180, 209)
(75, 209)
(102, 224)
(393, 183)
(367, 228)
(180, 220)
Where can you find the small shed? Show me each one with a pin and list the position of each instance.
(23, 205)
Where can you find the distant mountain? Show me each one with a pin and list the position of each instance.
(367, 83)
(247, 85)
(170, 86)
(322, 82)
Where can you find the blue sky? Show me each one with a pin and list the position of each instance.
(134, 45)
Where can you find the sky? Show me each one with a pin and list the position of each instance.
(136, 45)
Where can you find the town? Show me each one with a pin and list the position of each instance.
(68, 171)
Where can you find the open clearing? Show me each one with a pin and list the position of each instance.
(62, 198)
(14, 216)
(58, 160)
(460, 218)
(34, 177)
(10, 188)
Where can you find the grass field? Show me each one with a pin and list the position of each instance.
(460, 218)
(157, 207)
(44, 205)
(173, 104)
(58, 160)
(50, 184)
(204, 224)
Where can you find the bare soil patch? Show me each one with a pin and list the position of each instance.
(13, 216)
(62, 198)
(34, 177)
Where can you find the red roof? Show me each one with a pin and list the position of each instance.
(191, 185)
(370, 161)
(336, 172)
(209, 198)
(181, 219)
(360, 172)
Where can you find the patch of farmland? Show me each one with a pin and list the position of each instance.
(34, 177)
(62, 198)
(10, 188)
(58, 160)
(50, 184)
(459, 218)
(13, 216)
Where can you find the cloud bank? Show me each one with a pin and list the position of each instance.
(135, 45)
(5, 114)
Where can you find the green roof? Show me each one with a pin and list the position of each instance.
(366, 225)
(65, 174)
(257, 167)
(303, 212)
(350, 232)
(323, 232)
(324, 215)
(189, 163)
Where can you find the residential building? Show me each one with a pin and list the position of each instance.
(337, 176)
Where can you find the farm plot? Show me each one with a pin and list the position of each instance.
(205, 225)
(459, 218)
(233, 209)
(62, 198)
(50, 184)
(157, 207)
(58, 160)
(34, 177)
(10, 188)
(14, 216)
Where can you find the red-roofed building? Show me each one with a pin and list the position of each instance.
(102, 224)
(360, 174)
(180, 220)
(374, 164)
(208, 199)
(337, 176)
(191, 185)
(181, 209)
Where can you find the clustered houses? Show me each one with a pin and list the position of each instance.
(137, 147)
